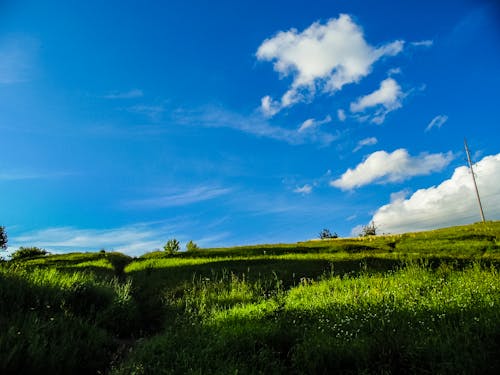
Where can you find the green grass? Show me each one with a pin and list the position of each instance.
(421, 303)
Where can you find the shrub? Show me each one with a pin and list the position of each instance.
(325, 233)
(369, 230)
(3, 238)
(172, 246)
(28, 252)
(190, 246)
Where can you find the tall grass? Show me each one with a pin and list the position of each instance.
(53, 321)
(413, 320)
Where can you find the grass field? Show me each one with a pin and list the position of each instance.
(422, 303)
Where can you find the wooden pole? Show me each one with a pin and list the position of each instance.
(474, 180)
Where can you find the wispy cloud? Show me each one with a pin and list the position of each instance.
(437, 122)
(311, 123)
(131, 94)
(452, 202)
(383, 167)
(133, 239)
(254, 124)
(17, 58)
(306, 189)
(323, 57)
(423, 43)
(365, 142)
(387, 98)
(180, 198)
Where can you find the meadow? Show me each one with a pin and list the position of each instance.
(421, 303)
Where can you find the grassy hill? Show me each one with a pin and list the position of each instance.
(426, 302)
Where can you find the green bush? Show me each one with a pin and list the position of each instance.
(172, 246)
(28, 252)
(326, 234)
(190, 246)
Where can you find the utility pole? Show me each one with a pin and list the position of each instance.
(474, 180)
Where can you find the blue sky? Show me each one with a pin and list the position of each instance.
(126, 123)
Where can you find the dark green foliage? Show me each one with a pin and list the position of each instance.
(3, 238)
(172, 246)
(28, 252)
(326, 234)
(191, 246)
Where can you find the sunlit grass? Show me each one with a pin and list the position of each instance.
(415, 319)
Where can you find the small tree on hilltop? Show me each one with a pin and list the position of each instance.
(190, 246)
(325, 234)
(172, 246)
(3, 238)
(369, 230)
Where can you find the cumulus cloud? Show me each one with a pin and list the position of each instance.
(306, 189)
(436, 122)
(453, 202)
(365, 142)
(383, 167)
(312, 123)
(385, 99)
(323, 57)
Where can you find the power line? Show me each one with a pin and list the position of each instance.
(474, 180)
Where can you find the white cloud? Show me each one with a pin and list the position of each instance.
(382, 167)
(180, 198)
(453, 202)
(394, 71)
(323, 56)
(365, 142)
(131, 94)
(341, 115)
(423, 43)
(312, 123)
(437, 122)
(307, 124)
(399, 195)
(253, 124)
(306, 189)
(386, 98)
(269, 107)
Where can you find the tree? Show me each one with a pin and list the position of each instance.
(28, 252)
(190, 246)
(369, 230)
(3, 238)
(172, 246)
(325, 234)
